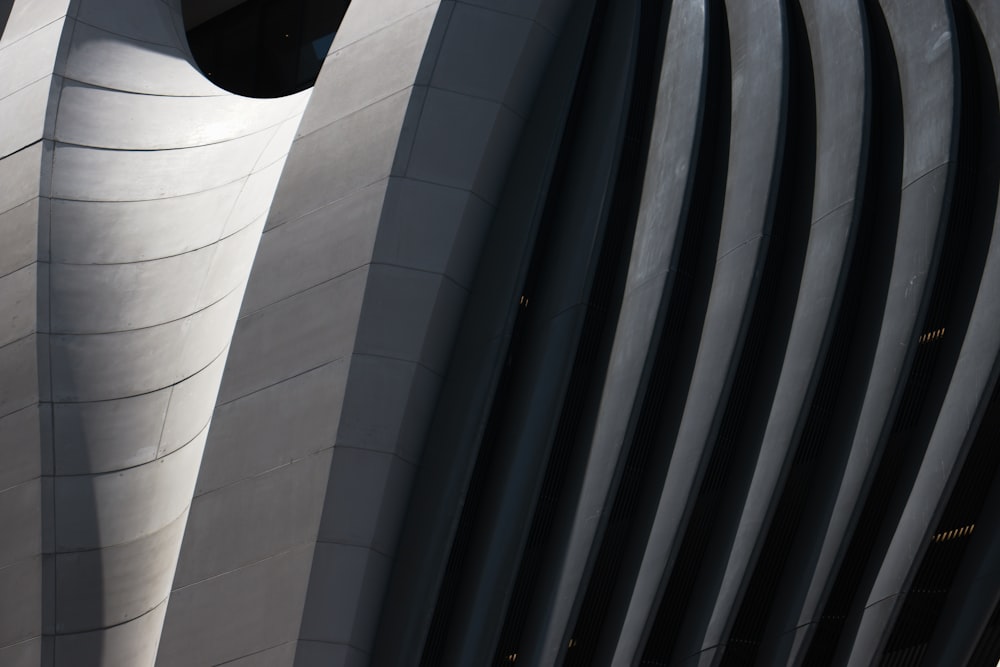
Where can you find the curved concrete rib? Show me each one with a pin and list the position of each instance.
(835, 32)
(156, 193)
(662, 217)
(759, 88)
(955, 429)
(921, 37)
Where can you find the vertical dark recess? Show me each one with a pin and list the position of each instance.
(441, 621)
(978, 174)
(987, 650)
(754, 608)
(759, 364)
(598, 329)
(945, 320)
(648, 456)
(857, 326)
(615, 256)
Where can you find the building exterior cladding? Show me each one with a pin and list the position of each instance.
(546, 332)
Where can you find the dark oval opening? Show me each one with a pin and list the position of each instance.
(262, 48)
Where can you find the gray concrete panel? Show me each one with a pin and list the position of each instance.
(432, 228)
(447, 462)
(324, 337)
(406, 393)
(103, 510)
(251, 609)
(480, 53)
(20, 439)
(283, 413)
(345, 595)
(319, 654)
(365, 499)
(110, 586)
(226, 540)
(24, 654)
(132, 643)
(412, 318)
(17, 300)
(21, 603)
(19, 228)
(19, 368)
(304, 253)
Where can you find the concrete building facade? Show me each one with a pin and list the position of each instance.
(493, 332)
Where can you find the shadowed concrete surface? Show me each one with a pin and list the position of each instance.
(607, 332)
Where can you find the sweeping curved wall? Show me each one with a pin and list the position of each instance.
(569, 332)
(151, 188)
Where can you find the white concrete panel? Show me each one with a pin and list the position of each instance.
(191, 404)
(99, 117)
(127, 231)
(255, 197)
(364, 18)
(24, 114)
(133, 643)
(231, 264)
(104, 59)
(356, 75)
(109, 586)
(95, 367)
(125, 505)
(90, 174)
(145, 294)
(30, 58)
(108, 435)
(119, 297)
(284, 132)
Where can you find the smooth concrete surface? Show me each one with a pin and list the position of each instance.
(281, 380)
